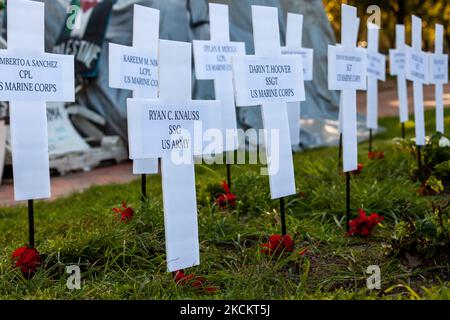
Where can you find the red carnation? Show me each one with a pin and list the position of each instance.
(27, 259)
(196, 282)
(226, 198)
(363, 224)
(278, 244)
(376, 155)
(125, 213)
(359, 170)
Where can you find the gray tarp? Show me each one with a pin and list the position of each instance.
(185, 20)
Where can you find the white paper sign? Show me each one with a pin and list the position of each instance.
(397, 62)
(28, 78)
(136, 71)
(213, 58)
(376, 65)
(439, 68)
(172, 126)
(347, 68)
(268, 80)
(307, 56)
(277, 79)
(136, 68)
(417, 65)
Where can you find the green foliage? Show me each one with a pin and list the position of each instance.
(427, 237)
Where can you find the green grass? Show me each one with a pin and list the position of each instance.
(127, 261)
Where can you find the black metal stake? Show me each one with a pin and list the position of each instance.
(347, 200)
(403, 130)
(283, 217)
(143, 187)
(229, 175)
(370, 140)
(419, 162)
(31, 223)
(340, 151)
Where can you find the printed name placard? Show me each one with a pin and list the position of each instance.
(172, 126)
(397, 62)
(267, 80)
(347, 69)
(417, 65)
(307, 60)
(439, 68)
(376, 65)
(135, 70)
(212, 58)
(27, 77)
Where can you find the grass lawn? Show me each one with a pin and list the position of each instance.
(127, 261)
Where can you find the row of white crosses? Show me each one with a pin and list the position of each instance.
(420, 70)
(151, 121)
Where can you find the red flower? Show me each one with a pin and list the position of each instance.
(359, 170)
(376, 155)
(27, 259)
(125, 213)
(196, 282)
(363, 224)
(278, 244)
(226, 198)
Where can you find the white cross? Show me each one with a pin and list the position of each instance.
(439, 75)
(417, 65)
(349, 33)
(213, 62)
(376, 70)
(28, 78)
(347, 72)
(397, 68)
(135, 68)
(163, 128)
(271, 79)
(294, 32)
